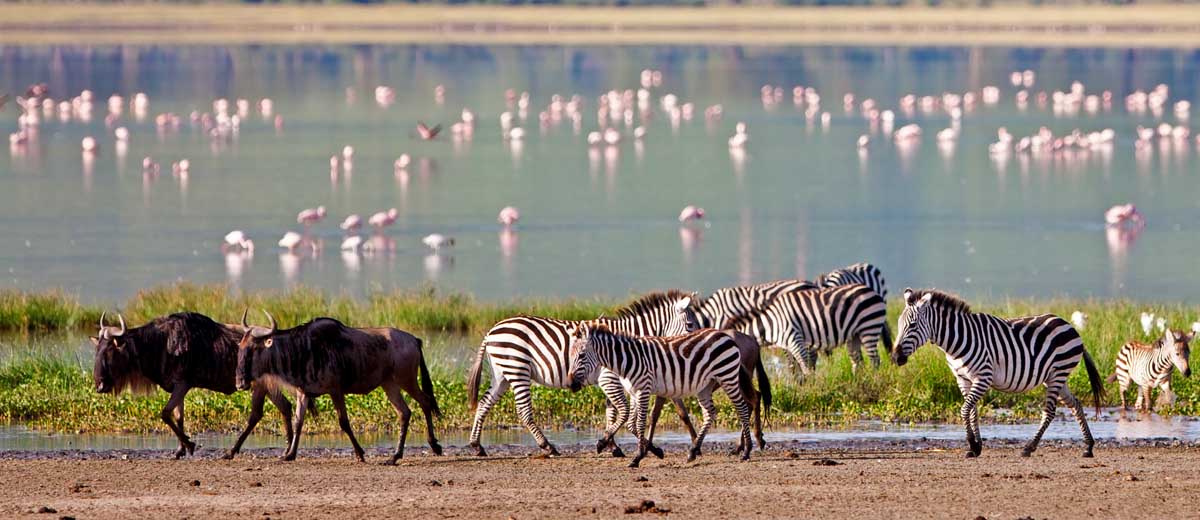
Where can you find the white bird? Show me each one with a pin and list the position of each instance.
(402, 162)
(291, 240)
(740, 137)
(88, 144)
(1079, 318)
(1122, 213)
(121, 133)
(516, 134)
(383, 219)
(593, 138)
(348, 152)
(1196, 327)
(612, 136)
(436, 241)
(352, 243)
(863, 141)
(236, 241)
(352, 223)
(509, 216)
(1161, 324)
(311, 216)
(1147, 322)
(691, 213)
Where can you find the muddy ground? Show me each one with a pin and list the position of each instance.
(867, 480)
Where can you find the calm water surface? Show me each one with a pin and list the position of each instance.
(800, 200)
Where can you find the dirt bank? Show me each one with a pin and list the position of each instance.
(862, 481)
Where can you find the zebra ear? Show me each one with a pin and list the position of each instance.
(682, 305)
(908, 294)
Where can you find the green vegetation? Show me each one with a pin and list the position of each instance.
(52, 390)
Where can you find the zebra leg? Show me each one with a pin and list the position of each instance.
(970, 415)
(1124, 384)
(499, 386)
(1072, 402)
(800, 351)
(640, 399)
(709, 411)
(743, 412)
(870, 343)
(524, 400)
(680, 408)
(1143, 399)
(854, 347)
(616, 413)
(1053, 391)
(1165, 395)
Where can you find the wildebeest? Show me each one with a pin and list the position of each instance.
(176, 353)
(324, 356)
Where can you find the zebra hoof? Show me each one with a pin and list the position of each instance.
(479, 451)
(617, 453)
(762, 444)
(971, 454)
(437, 448)
(1027, 453)
(1088, 454)
(553, 451)
(601, 444)
(658, 452)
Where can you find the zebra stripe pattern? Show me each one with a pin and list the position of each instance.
(730, 303)
(1150, 366)
(985, 352)
(861, 273)
(693, 364)
(529, 349)
(805, 322)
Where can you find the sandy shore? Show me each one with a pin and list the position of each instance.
(1162, 25)
(867, 480)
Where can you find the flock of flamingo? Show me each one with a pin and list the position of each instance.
(620, 115)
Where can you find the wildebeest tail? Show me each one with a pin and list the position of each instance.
(747, 387)
(1094, 380)
(764, 383)
(473, 378)
(426, 381)
(310, 404)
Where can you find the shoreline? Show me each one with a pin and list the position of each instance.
(1092, 26)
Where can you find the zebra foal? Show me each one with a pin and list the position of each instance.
(986, 352)
(693, 364)
(1150, 366)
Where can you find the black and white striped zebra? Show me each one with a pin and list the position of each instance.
(693, 364)
(529, 349)
(805, 322)
(730, 303)
(862, 272)
(1150, 366)
(1008, 354)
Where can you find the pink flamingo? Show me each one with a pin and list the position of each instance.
(311, 216)
(236, 241)
(1118, 215)
(352, 223)
(509, 216)
(383, 219)
(691, 213)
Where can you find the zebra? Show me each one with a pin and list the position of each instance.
(1011, 355)
(679, 366)
(804, 322)
(862, 272)
(1150, 366)
(530, 349)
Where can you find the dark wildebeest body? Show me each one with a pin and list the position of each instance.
(176, 353)
(325, 357)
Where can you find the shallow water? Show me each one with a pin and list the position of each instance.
(1153, 427)
(595, 221)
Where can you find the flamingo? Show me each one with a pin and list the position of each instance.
(1079, 318)
(291, 240)
(691, 212)
(427, 133)
(354, 243)
(352, 223)
(311, 216)
(348, 153)
(1121, 213)
(509, 216)
(122, 134)
(89, 144)
(402, 162)
(236, 241)
(383, 219)
(740, 137)
(863, 141)
(437, 241)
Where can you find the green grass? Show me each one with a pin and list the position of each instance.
(52, 392)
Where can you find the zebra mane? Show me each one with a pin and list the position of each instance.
(943, 299)
(651, 301)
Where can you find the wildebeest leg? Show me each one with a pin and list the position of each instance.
(524, 401)
(393, 395)
(656, 412)
(285, 408)
(186, 446)
(425, 401)
(297, 426)
(339, 402)
(258, 397)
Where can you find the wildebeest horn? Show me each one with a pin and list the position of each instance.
(244, 313)
(103, 329)
(122, 318)
(274, 327)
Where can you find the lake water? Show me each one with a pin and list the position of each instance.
(802, 199)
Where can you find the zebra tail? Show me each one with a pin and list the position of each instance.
(426, 381)
(764, 384)
(1094, 379)
(473, 379)
(887, 336)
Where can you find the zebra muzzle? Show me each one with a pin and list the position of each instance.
(575, 385)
